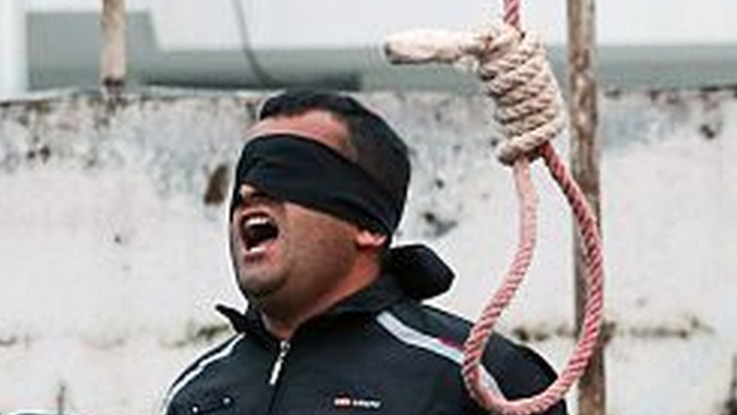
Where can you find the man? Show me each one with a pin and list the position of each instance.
(335, 321)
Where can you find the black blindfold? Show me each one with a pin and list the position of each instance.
(306, 172)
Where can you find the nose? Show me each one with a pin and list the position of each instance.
(251, 196)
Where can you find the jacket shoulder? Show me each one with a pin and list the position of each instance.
(195, 369)
(518, 370)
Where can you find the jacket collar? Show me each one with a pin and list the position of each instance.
(377, 296)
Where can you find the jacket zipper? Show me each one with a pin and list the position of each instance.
(279, 362)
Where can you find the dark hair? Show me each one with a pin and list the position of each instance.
(372, 143)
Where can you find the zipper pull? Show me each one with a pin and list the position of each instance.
(279, 362)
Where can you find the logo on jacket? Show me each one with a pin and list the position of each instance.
(347, 402)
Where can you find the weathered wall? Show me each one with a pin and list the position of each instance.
(113, 252)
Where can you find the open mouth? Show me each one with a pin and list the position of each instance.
(257, 231)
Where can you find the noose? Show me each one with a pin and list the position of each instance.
(516, 74)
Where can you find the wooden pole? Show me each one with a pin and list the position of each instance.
(112, 59)
(585, 155)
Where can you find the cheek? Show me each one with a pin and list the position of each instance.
(322, 237)
(335, 247)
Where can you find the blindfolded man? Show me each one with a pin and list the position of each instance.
(335, 319)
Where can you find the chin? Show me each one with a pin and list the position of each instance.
(256, 289)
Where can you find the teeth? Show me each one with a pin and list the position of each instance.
(257, 220)
(256, 249)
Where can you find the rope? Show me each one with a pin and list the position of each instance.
(517, 76)
(476, 343)
(515, 73)
(512, 13)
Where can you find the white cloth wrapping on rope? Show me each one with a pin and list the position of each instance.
(515, 73)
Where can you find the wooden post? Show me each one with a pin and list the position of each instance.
(585, 155)
(112, 60)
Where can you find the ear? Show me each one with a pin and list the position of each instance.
(368, 239)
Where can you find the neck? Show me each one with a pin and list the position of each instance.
(283, 318)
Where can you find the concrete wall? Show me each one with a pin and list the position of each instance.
(113, 251)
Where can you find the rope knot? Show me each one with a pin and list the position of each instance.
(515, 73)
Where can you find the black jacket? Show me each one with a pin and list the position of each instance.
(380, 351)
